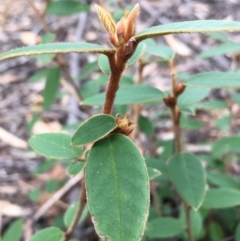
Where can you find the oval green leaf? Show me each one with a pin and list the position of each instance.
(164, 228)
(188, 177)
(226, 145)
(14, 232)
(214, 80)
(197, 26)
(192, 96)
(129, 95)
(51, 87)
(93, 130)
(48, 234)
(221, 198)
(66, 7)
(153, 173)
(55, 146)
(75, 168)
(56, 48)
(116, 176)
(226, 48)
(71, 212)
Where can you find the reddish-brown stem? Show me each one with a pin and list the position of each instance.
(171, 101)
(82, 201)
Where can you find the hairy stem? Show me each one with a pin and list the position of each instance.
(82, 201)
(176, 113)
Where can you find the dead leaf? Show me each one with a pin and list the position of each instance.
(13, 210)
(46, 127)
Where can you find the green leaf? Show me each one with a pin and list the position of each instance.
(53, 185)
(14, 231)
(51, 87)
(215, 232)
(56, 48)
(237, 233)
(41, 74)
(66, 7)
(145, 125)
(55, 146)
(75, 168)
(225, 145)
(221, 198)
(192, 96)
(214, 80)
(222, 180)
(226, 48)
(197, 26)
(153, 173)
(188, 177)
(116, 177)
(70, 214)
(89, 89)
(129, 95)
(141, 48)
(44, 166)
(164, 228)
(189, 123)
(34, 194)
(48, 234)
(160, 50)
(219, 36)
(104, 63)
(93, 129)
(214, 104)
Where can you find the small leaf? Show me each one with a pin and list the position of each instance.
(70, 214)
(104, 64)
(237, 233)
(75, 168)
(197, 26)
(188, 177)
(93, 130)
(219, 36)
(44, 166)
(56, 48)
(153, 173)
(140, 50)
(116, 177)
(215, 232)
(66, 7)
(48, 234)
(41, 74)
(226, 48)
(164, 228)
(192, 96)
(14, 231)
(214, 80)
(145, 125)
(89, 89)
(226, 145)
(129, 95)
(55, 146)
(34, 194)
(221, 198)
(51, 87)
(222, 180)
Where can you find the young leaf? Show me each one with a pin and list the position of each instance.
(14, 232)
(93, 129)
(56, 48)
(117, 189)
(221, 198)
(192, 96)
(214, 80)
(66, 7)
(226, 48)
(49, 234)
(70, 214)
(51, 87)
(75, 168)
(197, 26)
(129, 95)
(226, 145)
(164, 228)
(188, 177)
(55, 146)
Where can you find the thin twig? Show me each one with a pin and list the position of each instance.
(82, 201)
(177, 135)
